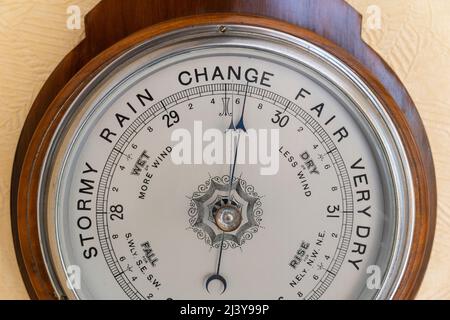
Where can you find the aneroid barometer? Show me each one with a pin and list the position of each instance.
(224, 150)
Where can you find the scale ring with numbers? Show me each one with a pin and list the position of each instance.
(342, 206)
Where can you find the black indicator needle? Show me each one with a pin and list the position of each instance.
(240, 126)
(217, 275)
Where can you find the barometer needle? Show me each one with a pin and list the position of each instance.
(217, 275)
(240, 126)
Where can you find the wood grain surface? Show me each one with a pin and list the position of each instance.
(24, 64)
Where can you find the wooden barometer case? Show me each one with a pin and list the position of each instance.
(284, 61)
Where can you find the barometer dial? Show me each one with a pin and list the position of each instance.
(226, 162)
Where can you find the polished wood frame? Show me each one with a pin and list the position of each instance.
(331, 25)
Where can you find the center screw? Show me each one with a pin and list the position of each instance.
(228, 218)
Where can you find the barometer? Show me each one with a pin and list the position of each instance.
(224, 156)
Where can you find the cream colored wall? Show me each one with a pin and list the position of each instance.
(414, 40)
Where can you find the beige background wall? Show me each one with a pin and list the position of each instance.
(414, 39)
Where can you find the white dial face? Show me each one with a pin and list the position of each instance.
(305, 218)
